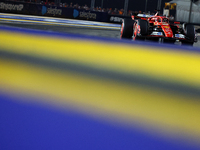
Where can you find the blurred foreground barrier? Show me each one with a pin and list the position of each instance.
(74, 92)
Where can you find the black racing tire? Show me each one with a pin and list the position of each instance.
(127, 28)
(144, 27)
(186, 43)
(189, 31)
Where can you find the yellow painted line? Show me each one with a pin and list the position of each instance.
(63, 24)
(172, 66)
(165, 113)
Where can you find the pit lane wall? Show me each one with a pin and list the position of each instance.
(62, 91)
(54, 11)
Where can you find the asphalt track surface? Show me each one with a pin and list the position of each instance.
(109, 33)
(113, 33)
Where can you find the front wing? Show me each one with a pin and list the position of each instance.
(179, 37)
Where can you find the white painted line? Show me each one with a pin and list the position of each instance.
(61, 24)
(57, 20)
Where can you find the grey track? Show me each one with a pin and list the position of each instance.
(111, 33)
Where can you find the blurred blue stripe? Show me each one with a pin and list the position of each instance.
(33, 126)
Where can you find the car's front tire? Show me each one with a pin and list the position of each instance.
(189, 32)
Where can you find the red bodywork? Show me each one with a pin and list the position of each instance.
(157, 28)
(163, 23)
(159, 21)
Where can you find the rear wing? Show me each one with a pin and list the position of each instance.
(144, 16)
(141, 16)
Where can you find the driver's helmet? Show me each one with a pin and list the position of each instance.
(159, 19)
(165, 20)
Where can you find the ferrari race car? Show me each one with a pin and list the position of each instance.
(158, 28)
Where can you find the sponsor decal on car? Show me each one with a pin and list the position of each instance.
(181, 36)
(167, 30)
(167, 27)
(157, 33)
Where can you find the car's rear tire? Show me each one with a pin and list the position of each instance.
(143, 30)
(127, 28)
(144, 27)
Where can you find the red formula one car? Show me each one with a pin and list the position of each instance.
(158, 28)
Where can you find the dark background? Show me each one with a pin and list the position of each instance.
(134, 5)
